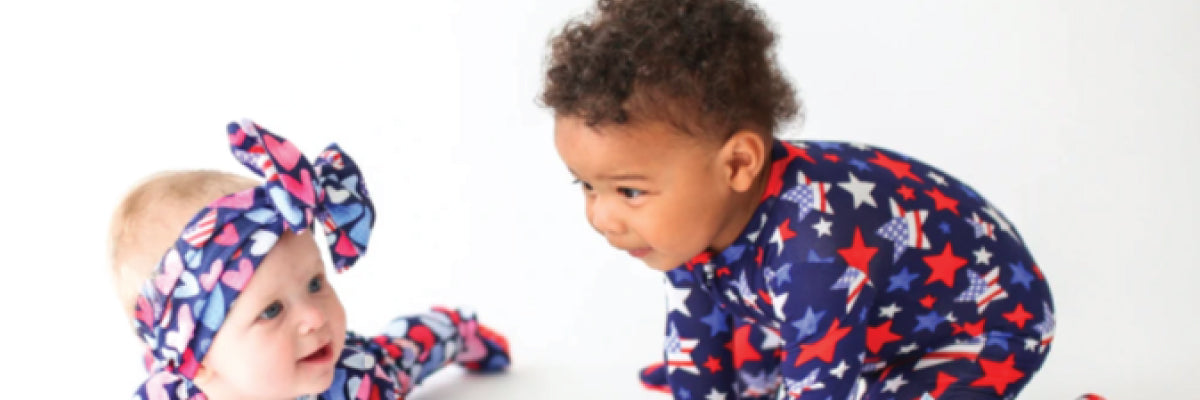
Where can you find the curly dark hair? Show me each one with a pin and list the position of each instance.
(705, 66)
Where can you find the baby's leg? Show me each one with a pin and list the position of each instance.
(424, 343)
(1000, 371)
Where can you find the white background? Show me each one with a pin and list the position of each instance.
(1078, 118)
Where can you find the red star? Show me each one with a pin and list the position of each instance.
(906, 192)
(928, 301)
(858, 256)
(758, 258)
(763, 295)
(699, 259)
(712, 364)
(723, 271)
(742, 349)
(775, 182)
(1038, 272)
(1018, 316)
(784, 232)
(944, 266)
(942, 202)
(879, 336)
(823, 349)
(998, 375)
(943, 381)
(832, 157)
(899, 168)
(973, 329)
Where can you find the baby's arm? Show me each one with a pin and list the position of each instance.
(824, 330)
(413, 347)
(697, 358)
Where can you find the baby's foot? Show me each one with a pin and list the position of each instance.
(496, 356)
(483, 350)
(654, 377)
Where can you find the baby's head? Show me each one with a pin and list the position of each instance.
(239, 307)
(665, 112)
(282, 335)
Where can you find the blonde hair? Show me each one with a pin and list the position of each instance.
(150, 217)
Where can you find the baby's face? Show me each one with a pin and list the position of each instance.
(285, 332)
(649, 189)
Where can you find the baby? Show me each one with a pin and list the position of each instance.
(792, 268)
(239, 306)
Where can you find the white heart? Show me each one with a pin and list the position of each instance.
(263, 241)
(337, 196)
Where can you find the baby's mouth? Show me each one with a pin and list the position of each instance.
(320, 355)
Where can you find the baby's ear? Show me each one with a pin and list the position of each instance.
(743, 156)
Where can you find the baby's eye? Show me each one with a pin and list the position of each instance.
(315, 284)
(271, 311)
(631, 193)
(586, 186)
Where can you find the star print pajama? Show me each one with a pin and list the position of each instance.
(859, 261)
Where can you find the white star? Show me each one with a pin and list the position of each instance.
(940, 179)
(839, 370)
(715, 395)
(676, 298)
(982, 256)
(950, 317)
(860, 190)
(893, 385)
(771, 340)
(823, 227)
(908, 348)
(1031, 344)
(889, 311)
(777, 301)
(860, 146)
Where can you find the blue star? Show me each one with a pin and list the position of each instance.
(901, 280)
(784, 273)
(684, 393)
(828, 145)
(716, 321)
(945, 227)
(680, 275)
(1020, 274)
(860, 164)
(862, 314)
(999, 338)
(733, 253)
(807, 325)
(928, 321)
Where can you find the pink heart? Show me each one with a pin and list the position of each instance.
(303, 189)
(236, 138)
(237, 279)
(283, 152)
(143, 311)
(241, 200)
(209, 279)
(172, 266)
(344, 248)
(228, 237)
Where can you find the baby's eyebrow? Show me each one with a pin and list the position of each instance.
(625, 177)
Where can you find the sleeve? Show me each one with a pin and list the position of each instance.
(695, 352)
(824, 329)
(412, 348)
